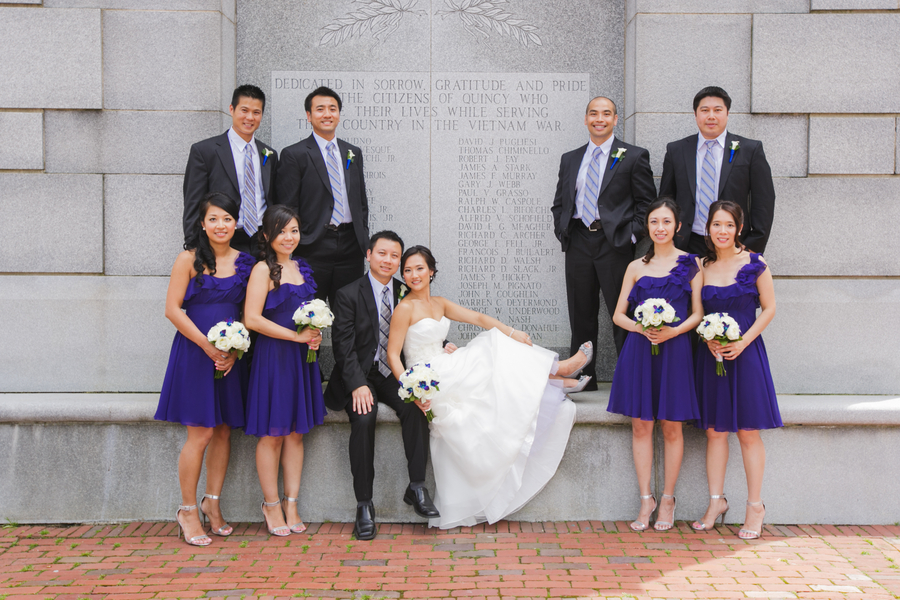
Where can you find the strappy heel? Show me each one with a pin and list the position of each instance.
(582, 382)
(638, 525)
(281, 530)
(197, 540)
(223, 531)
(700, 526)
(298, 527)
(749, 534)
(665, 525)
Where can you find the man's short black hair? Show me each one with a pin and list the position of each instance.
(385, 235)
(248, 91)
(712, 91)
(322, 91)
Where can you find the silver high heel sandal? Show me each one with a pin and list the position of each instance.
(700, 526)
(281, 530)
(299, 527)
(588, 349)
(665, 525)
(197, 540)
(582, 381)
(223, 531)
(640, 526)
(749, 534)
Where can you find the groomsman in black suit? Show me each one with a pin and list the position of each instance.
(718, 165)
(321, 178)
(601, 199)
(234, 163)
(361, 381)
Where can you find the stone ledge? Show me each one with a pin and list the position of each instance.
(843, 410)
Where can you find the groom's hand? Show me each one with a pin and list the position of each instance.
(362, 400)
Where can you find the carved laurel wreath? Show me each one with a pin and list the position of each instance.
(382, 18)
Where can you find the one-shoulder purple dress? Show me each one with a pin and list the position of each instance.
(285, 394)
(651, 387)
(191, 395)
(745, 397)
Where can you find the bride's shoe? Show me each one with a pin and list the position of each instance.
(582, 381)
(701, 526)
(588, 349)
(638, 525)
(197, 540)
(297, 527)
(665, 525)
(223, 531)
(749, 534)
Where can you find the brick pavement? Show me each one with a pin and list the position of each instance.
(587, 559)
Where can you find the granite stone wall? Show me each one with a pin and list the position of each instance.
(102, 98)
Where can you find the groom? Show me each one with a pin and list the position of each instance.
(361, 380)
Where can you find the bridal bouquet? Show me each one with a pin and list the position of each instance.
(420, 382)
(655, 312)
(720, 327)
(314, 314)
(229, 336)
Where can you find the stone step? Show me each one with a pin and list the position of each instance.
(102, 458)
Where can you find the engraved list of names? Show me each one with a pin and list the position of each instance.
(466, 163)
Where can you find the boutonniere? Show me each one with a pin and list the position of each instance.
(734, 146)
(403, 291)
(350, 157)
(616, 157)
(266, 154)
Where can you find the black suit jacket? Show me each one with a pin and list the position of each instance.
(626, 190)
(746, 180)
(354, 339)
(210, 168)
(303, 184)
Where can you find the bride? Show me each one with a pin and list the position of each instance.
(501, 418)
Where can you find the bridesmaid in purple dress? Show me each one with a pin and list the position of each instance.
(738, 282)
(648, 388)
(207, 286)
(284, 400)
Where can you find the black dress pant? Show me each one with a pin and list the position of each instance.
(336, 260)
(243, 242)
(697, 245)
(593, 265)
(413, 426)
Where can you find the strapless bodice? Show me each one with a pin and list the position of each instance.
(425, 339)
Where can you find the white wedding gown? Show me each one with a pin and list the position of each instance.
(499, 429)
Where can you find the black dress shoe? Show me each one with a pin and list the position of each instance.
(364, 528)
(421, 502)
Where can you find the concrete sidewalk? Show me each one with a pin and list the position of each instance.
(587, 559)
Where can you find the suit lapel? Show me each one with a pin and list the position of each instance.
(365, 288)
(350, 180)
(611, 168)
(315, 155)
(265, 167)
(227, 158)
(690, 163)
(574, 165)
(726, 165)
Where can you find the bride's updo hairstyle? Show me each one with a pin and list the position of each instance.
(736, 213)
(424, 253)
(661, 202)
(204, 257)
(274, 220)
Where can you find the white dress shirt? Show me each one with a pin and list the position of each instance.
(342, 163)
(582, 170)
(718, 151)
(237, 152)
(377, 289)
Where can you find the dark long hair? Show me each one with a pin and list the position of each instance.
(204, 257)
(424, 253)
(661, 202)
(274, 220)
(736, 213)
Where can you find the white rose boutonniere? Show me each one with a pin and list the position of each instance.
(403, 291)
(734, 146)
(616, 156)
(266, 154)
(350, 157)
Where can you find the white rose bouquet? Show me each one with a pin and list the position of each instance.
(654, 313)
(229, 336)
(314, 314)
(720, 327)
(420, 382)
